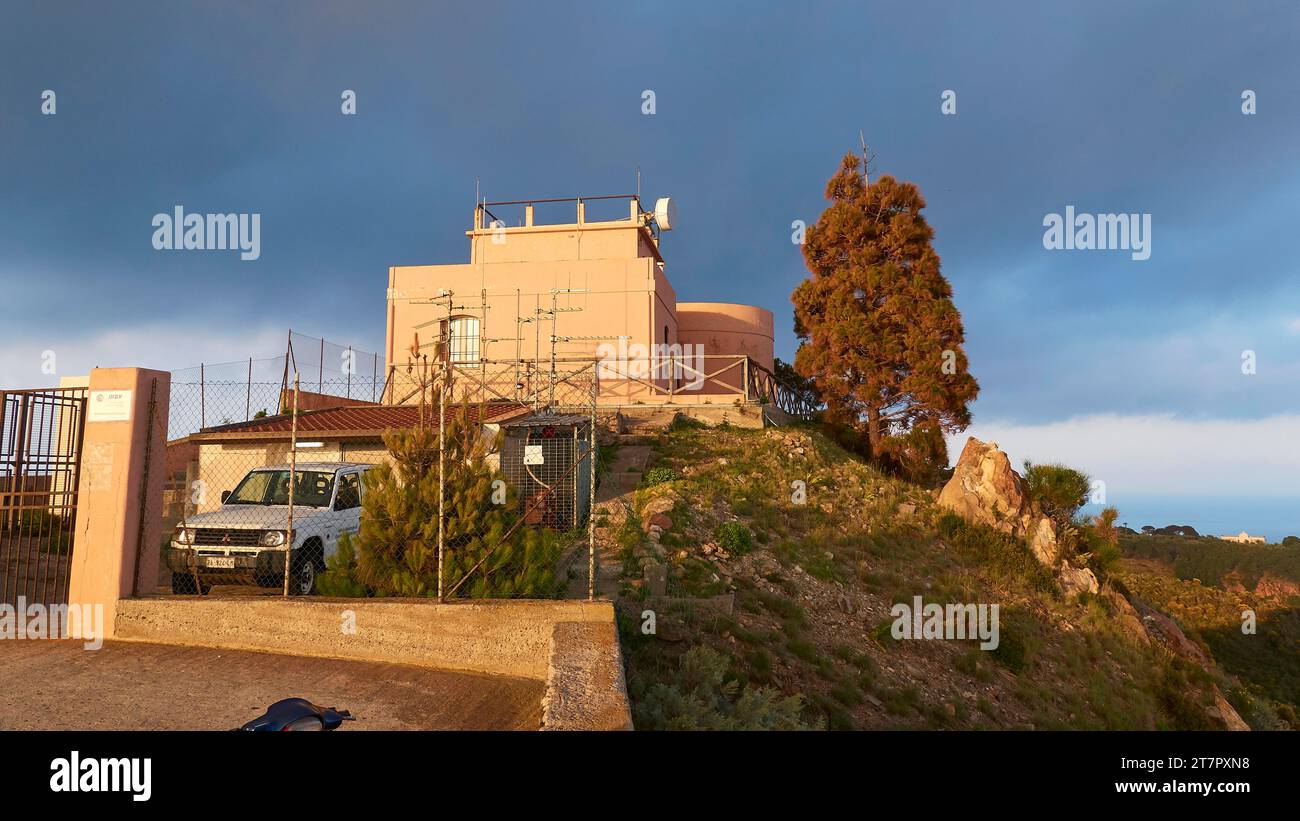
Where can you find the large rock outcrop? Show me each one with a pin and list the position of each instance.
(984, 488)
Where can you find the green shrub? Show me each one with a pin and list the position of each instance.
(1103, 553)
(700, 579)
(659, 475)
(949, 525)
(702, 696)
(902, 701)
(1010, 652)
(1018, 640)
(1179, 685)
(969, 663)
(837, 718)
(803, 649)
(780, 606)
(847, 692)
(760, 663)
(995, 550)
(734, 537)
(1059, 490)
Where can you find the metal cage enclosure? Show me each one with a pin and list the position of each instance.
(547, 452)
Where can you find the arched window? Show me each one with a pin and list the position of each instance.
(463, 339)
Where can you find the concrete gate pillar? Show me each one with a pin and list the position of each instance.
(114, 547)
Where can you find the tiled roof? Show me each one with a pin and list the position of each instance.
(543, 419)
(359, 419)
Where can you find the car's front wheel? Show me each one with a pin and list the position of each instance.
(302, 581)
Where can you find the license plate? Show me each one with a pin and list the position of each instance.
(225, 562)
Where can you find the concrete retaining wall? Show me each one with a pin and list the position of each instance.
(585, 689)
(506, 637)
(649, 418)
(571, 645)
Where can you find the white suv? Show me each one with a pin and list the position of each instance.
(245, 539)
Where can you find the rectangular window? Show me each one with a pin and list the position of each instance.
(464, 340)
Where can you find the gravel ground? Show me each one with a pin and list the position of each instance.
(59, 685)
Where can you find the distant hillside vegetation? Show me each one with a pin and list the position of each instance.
(1215, 561)
(1206, 585)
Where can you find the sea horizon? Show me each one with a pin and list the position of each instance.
(1272, 517)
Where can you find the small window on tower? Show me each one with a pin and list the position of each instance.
(464, 340)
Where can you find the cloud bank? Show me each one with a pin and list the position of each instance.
(1161, 454)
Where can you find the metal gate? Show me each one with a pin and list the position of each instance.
(40, 457)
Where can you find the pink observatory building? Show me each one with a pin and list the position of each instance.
(579, 290)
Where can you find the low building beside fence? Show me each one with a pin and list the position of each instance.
(216, 458)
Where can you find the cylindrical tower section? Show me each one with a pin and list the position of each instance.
(726, 329)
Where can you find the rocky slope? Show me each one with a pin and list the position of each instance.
(807, 607)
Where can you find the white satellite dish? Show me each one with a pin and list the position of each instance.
(665, 213)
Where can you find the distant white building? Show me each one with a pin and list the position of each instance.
(1245, 538)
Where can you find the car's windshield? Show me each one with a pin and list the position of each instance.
(271, 487)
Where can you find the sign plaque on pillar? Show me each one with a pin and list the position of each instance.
(109, 406)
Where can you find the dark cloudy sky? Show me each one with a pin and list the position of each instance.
(1106, 106)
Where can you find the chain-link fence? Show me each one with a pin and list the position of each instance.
(230, 512)
(457, 482)
(223, 393)
(333, 371)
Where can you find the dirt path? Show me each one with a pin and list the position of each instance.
(613, 500)
(59, 685)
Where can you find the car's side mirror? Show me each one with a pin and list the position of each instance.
(225, 494)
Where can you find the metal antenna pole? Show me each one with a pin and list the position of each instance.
(445, 357)
(537, 352)
(554, 306)
(442, 495)
(518, 339)
(293, 475)
(483, 341)
(591, 494)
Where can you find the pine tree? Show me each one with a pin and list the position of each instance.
(398, 540)
(881, 338)
(485, 544)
